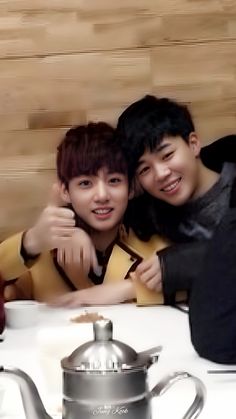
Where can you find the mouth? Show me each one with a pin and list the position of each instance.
(172, 187)
(102, 213)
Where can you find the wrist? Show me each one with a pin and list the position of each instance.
(130, 291)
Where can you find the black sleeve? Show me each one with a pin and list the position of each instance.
(224, 149)
(212, 304)
(181, 264)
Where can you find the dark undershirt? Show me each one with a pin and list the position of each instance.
(102, 257)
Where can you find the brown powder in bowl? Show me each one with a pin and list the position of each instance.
(87, 317)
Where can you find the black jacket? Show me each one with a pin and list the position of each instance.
(183, 262)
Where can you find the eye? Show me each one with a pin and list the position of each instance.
(143, 170)
(167, 155)
(85, 183)
(115, 179)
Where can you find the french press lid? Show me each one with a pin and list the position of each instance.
(101, 354)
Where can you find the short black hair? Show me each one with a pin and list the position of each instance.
(145, 123)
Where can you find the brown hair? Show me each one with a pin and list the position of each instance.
(87, 148)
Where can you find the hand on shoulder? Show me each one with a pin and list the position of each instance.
(149, 273)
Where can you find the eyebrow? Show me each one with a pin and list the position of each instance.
(159, 148)
(162, 146)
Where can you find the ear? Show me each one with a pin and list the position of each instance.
(194, 144)
(131, 193)
(65, 196)
(135, 189)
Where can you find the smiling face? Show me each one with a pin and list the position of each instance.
(171, 173)
(99, 200)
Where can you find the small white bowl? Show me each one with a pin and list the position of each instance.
(21, 313)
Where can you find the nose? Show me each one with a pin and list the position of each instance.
(102, 192)
(161, 171)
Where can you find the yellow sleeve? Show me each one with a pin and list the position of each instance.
(11, 262)
(144, 296)
(22, 289)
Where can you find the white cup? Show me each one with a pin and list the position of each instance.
(21, 313)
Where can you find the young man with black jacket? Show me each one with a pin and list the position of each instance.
(188, 195)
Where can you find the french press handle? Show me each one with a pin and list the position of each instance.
(197, 405)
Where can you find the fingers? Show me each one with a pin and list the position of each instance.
(149, 273)
(94, 261)
(70, 256)
(90, 258)
(83, 259)
(60, 215)
(60, 257)
(79, 251)
(55, 221)
(61, 232)
(55, 198)
(152, 280)
(154, 284)
(144, 270)
(59, 239)
(80, 258)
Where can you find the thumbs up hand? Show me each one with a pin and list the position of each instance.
(55, 198)
(55, 225)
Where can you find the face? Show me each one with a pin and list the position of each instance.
(171, 172)
(101, 200)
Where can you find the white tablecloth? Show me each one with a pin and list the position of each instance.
(140, 327)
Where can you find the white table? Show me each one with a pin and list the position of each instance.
(140, 327)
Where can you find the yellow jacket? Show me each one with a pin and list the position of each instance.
(41, 280)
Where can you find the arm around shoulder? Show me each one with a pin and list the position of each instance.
(21, 289)
(11, 262)
(115, 293)
(12, 266)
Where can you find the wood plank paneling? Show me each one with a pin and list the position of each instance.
(39, 28)
(64, 63)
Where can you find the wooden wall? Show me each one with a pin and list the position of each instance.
(65, 62)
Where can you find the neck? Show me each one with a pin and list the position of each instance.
(103, 239)
(207, 178)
